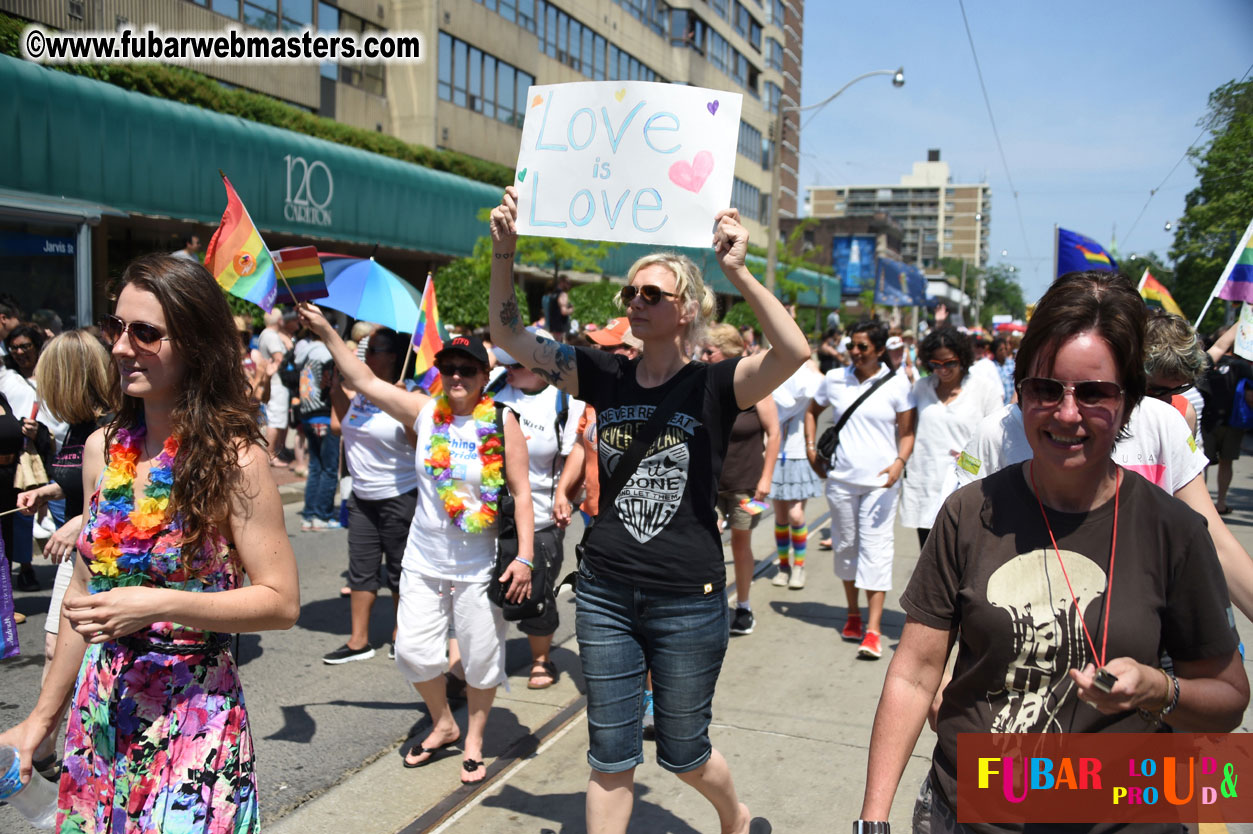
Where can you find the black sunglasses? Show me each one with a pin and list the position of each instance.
(860, 346)
(463, 371)
(651, 293)
(1157, 392)
(937, 365)
(1090, 393)
(145, 338)
(516, 366)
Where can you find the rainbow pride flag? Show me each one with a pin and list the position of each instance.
(237, 256)
(428, 339)
(1156, 295)
(302, 269)
(1076, 253)
(1239, 272)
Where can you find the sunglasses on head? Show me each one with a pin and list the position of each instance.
(1158, 392)
(937, 365)
(146, 339)
(1091, 393)
(451, 369)
(651, 293)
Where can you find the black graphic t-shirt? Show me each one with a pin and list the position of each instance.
(664, 533)
(989, 569)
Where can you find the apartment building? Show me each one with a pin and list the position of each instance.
(938, 218)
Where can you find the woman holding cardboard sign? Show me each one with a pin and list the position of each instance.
(651, 580)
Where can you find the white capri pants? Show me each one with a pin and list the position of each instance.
(279, 405)
(861, 533)
(428, 607)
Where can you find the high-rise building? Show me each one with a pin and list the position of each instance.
(481, 55)
(938, 218)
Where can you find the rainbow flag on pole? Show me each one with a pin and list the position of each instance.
(1239, 272)
(428, 339)
(1076, 253)
(237, 256)
(1156, 295)
(303, 270)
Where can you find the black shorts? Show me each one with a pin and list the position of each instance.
(377, 530)
(548, 546)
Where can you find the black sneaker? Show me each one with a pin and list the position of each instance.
(742, 621)
(346, 655)
(391, 651)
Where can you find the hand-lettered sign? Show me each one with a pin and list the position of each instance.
(628, 161)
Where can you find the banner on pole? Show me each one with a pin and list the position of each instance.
(626, 161)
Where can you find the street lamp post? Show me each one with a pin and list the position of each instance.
(772, 239)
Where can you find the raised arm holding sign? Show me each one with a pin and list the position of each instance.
(635, 162)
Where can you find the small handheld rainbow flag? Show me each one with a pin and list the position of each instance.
(1076, 253)
(1156, 295)
(237, 256)
(428, 339)
(303, 270)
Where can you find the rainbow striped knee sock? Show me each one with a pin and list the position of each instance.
(782, 541)
(800, 540)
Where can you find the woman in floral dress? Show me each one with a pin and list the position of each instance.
(181, 507)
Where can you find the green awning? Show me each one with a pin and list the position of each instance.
(71, 137)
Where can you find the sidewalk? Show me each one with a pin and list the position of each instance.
(792, 714)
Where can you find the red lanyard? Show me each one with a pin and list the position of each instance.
(1109, 585)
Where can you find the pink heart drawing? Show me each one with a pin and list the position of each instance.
(712, 107)
(693, 176)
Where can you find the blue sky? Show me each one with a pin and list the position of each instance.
(1095, 102)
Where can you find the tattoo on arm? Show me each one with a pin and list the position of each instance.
(509, 314)
(553, 360)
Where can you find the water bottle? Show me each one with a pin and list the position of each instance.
(36, 800)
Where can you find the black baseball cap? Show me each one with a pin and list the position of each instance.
(468, 345)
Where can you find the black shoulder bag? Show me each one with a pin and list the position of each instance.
(630, 460)
(507, 551)
(830, 440)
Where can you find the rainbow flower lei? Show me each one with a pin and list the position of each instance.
(491, 456)
(127, 535)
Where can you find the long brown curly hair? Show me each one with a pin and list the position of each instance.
(213, 416)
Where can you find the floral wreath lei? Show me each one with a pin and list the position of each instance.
(491, 456)
(126, 534)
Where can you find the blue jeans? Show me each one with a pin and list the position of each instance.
(624, 632)
(323, 480)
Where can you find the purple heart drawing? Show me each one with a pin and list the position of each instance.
(712, 107)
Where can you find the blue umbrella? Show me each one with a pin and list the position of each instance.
(370, 292)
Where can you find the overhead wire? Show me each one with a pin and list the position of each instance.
(995, 133)
(1153, 192)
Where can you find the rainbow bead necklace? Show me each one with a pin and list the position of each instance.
(491, 457)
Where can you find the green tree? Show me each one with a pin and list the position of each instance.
(594, 303)
(740, 314)
(1218, 210)
(557, 255)
(1002, 295)
(461, 288)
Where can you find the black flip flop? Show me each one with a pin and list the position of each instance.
(432, 754)
(470, 766)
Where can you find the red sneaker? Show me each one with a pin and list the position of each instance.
(870, 646)
(852, 628)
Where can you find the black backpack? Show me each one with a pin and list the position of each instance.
(289, 371)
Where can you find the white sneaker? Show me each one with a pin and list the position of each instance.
(797, 580)
(780, 579)
(317, 525)
(306, 525)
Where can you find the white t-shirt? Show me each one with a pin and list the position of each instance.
(943, 431)
(437, 548)
(792, 400)
(537, 415)
(868, 439)
(1159, 447)
(987, 369)
(379, 457)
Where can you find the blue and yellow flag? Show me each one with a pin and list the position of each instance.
(1076, 252)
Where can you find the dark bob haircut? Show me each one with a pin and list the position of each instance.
(1104, 302)
(947, 338)
(878, 336)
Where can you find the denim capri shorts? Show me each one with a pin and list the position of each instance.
(625, 631)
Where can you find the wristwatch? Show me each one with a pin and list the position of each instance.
(871, 827)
